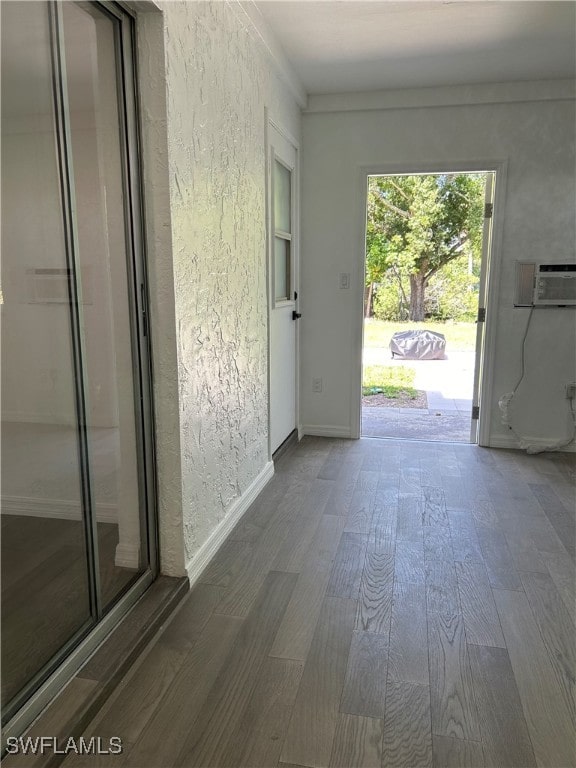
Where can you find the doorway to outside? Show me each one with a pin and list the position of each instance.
(426, 266)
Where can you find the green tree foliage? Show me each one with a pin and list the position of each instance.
(451, 294)
(416, 225)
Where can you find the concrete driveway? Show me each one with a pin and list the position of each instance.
(448, 385)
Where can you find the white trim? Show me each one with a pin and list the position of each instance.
(447, 96)
(29, 417)
(285, 134)
(135, 7)
(127, 555)
(251, 16)
(499, 166)
(326, 430)
(480, 342)
(208, 550)
(503, 441)
(268, 215)
(357, 325)
(491, 302)
(57, 509)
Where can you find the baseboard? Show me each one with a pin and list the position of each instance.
(26, 417)
(503, 441)
(292, 440)
(127, 555)
(58, 509)
(325, 430)
(198, 563)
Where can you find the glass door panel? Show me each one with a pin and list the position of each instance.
(281, 269)
(282, 197)
(45, 587)
(91, 52)
(74, 472)
(282, 217)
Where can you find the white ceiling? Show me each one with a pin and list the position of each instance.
(353, 45)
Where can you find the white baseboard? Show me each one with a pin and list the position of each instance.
(503, 441)
(198, 563)
(26, 417)
(127, 555)
(325, 430)
(58, 509)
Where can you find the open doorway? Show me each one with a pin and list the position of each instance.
(426, 267)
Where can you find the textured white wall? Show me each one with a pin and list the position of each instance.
(537, 140)
(218, 84)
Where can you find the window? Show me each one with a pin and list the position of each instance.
(282, 232)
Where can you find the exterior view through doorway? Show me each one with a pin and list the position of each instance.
(426, 269)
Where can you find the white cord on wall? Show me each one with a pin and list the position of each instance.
(505, 401)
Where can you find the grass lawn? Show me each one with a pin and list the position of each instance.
(459, 336)
(389, 381)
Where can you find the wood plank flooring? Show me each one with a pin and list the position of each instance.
(382, 604)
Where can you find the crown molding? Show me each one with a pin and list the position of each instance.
(447, 96)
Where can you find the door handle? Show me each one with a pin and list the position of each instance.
(296, 315)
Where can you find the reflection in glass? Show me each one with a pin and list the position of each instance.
(45, 594)
(282, 198)
(281, 268)
(91, 62)
(73, 532)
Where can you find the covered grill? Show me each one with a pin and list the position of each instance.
(418, 345)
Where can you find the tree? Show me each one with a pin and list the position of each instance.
(418, 224)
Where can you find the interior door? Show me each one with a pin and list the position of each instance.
(282, 276)
(482, 293)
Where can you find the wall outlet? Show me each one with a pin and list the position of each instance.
(316, 385)
(344, 280)
(571, 391)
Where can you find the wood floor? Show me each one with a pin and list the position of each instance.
(393, 604)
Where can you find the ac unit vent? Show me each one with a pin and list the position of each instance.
(555, 285)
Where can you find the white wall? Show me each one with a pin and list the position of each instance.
(211, 396)
(534, 137)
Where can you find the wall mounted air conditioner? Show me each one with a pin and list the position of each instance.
(545, 285)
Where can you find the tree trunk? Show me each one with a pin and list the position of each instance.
(417, 290)
(368, 297)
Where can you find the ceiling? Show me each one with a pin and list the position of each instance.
(353, 45)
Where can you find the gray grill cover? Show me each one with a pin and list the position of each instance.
(418, 345)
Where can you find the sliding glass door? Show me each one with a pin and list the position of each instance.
(77, 479)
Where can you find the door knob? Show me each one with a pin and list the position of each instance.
(295, 315)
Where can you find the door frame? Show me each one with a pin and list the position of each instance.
(479, 346)
(287, 136)
(491, 285)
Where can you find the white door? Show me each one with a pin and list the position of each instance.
(282, 276)
(482, 295)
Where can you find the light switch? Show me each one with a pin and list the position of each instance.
(344, 280)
